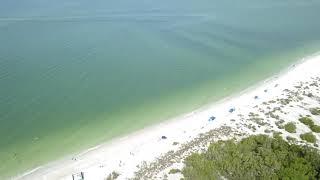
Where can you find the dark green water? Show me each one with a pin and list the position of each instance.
(75, 73)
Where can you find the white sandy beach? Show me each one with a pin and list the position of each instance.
(126, 154)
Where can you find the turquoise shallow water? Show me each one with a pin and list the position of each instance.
(74, 73)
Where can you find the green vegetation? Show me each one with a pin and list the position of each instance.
(279, 123)
(315, 111)
(315, 128)
(175, 143)
(309, 137)
(267, 131)
(174, 171)
(114, 175)
(255, 157)
(291, 139)
(310, 95)
(309, 122)
(290, 127)
(277, 134)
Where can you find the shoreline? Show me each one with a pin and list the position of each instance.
(101, 160)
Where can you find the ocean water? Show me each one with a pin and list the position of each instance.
(74, 74)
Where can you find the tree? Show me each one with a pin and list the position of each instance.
(255, 157)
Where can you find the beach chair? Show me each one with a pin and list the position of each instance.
(212, 118)
(163, 137)
(232, 110)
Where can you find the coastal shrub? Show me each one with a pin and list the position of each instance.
(315, 111)
(267, 131)
(291, 139)
(277, 135)
(290, 127)
(274, 116)
(174, 171)
(300, 98)
(279, 124)
(307, 121)
(197, 166)
(309, 137)
(255, 157)
(315, 128)
(112, 176)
